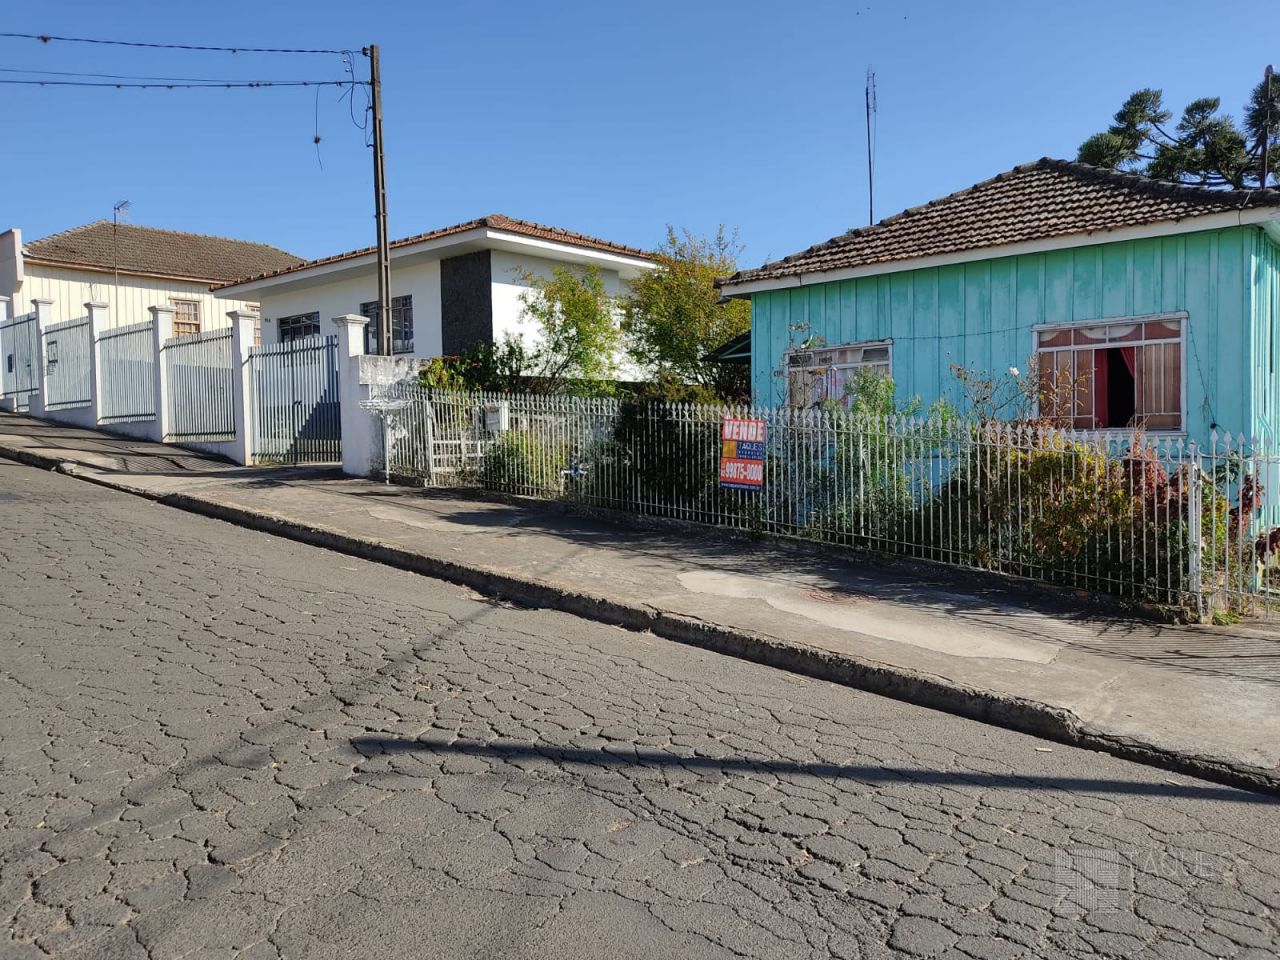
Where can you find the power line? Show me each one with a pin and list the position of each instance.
(212, 85)
(126, 76)
(47, 38)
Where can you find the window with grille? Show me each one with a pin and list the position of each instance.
(401, 325)
(186, 317)
(1113, 375)
(299, 325)
(815, 376)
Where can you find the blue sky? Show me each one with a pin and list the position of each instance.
(612, 119)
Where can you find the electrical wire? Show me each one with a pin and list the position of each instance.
(126, 76)
(212, 85)
(47, 38)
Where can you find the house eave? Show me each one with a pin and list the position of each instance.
(478, 238)
(102, 268)
(1267, 217)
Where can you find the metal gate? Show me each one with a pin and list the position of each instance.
(296, 416)
(18, 354)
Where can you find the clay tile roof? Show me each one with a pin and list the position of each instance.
(163, 253)
(495, 221)
(1036, 201)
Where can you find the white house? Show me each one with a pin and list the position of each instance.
(131, 268)
(450, 288)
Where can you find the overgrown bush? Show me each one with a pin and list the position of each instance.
(522, 463)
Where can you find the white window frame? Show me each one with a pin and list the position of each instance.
(1180, 315)
(815, 352)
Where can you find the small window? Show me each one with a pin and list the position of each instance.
(186, 317)
(401, 325)
(1113, 376)
(299, 325)
(816, 376)
(8, 363)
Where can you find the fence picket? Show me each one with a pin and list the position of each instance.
(1135, 516)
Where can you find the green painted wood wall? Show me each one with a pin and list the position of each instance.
(981, 315)
(1265, 366)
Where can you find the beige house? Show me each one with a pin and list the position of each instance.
(131, 268)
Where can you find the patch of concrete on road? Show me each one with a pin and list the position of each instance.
(893, 624)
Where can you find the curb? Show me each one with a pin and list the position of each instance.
(897, 683)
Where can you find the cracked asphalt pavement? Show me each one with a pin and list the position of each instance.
(218, 744)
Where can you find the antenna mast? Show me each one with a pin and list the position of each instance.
(1266, 126)
(117, 210)
(871, 112)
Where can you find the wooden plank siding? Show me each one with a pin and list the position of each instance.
(981, 315)
(70, 289)
(1265, 347)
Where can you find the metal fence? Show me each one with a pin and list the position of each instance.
(18, 350)
(68, 373)
(295, 412)
(127, 373)
(199, 372)
(1140, 516)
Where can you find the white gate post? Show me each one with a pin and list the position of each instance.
(97, 323)
(243, 325)
(358, 424)
(161, 330)
(44, 313)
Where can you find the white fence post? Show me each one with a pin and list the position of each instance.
(161, 330)
(358, 424)
(97, 323)
(243, 325)
(44, 315)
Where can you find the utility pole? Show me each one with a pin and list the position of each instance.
(1266, 127)
(380, 207)
(871, 110)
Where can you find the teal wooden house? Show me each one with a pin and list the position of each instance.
(1158, 303)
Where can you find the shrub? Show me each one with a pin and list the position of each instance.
(521, 463)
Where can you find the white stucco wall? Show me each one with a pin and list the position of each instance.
(419, 280)
(70, 289)
(508, 270)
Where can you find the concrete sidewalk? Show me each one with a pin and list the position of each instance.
(1198, 700)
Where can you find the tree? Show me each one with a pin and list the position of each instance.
(672, 316)
(1206, 148)
(578, 332)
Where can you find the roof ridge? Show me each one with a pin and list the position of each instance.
(1141, 181)
(1133, 184)
(495, 221)
(138, 226)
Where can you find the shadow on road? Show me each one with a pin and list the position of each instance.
(864, 773)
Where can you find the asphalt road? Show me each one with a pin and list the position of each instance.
(218, 744)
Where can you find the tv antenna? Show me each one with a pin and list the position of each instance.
(872, 109)
(118, 210)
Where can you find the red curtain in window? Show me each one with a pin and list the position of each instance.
(1100, 388)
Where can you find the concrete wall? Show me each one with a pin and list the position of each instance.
(981, 315)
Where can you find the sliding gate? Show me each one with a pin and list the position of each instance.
(18, 354)
(296, 417)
